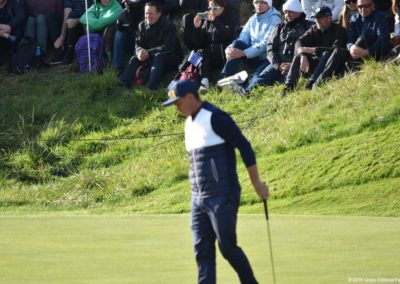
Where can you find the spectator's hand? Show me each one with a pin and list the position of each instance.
(197, 21)
(304, 64)
(262, 190)
(233, 53)
(308, 50)
(284, 68)
(5, 29)
(358, 52)
(71, 23)
(59, 42)
(142, 55)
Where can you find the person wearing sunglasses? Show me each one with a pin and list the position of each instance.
(251, 45)
(347, 12)
(368, 35)
(317, 51)
(310, 7)
(211, 36)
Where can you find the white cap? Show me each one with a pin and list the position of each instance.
(292, 5)
(269, 2)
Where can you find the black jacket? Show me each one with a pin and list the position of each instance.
(159, 37)
(281, 43)
(220, 31)
(333, 37)
(13, 14)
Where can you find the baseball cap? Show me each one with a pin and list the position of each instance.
(179, 89)
(322, 12)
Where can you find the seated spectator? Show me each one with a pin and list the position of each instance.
(211, 36)
(102, 18)
(127, 24)
(157, 46)
(12, 20)
(44, 23)
(317, 51)
(72, 29)
(199, 6)
(368, 34)
(385, 6)
(310, 7)
(280, 48)
(251, 45)
(347, 12)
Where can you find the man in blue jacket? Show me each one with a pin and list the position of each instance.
(211, 137)
(368, 32)
(251, 45)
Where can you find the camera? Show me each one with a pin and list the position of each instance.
(203, 15)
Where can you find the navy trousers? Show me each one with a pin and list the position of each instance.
(215, 219)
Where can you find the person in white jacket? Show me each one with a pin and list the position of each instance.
(310, 6)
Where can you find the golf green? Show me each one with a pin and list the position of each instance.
(158, 249)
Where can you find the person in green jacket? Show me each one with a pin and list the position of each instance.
(101, 18)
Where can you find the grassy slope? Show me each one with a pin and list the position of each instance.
(330, 151)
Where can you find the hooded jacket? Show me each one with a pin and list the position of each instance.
(256, 32)
(283, 38)
(100, 16)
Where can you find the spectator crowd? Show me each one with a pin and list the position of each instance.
(280, 42)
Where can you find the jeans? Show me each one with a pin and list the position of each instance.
(43, 29)
(124, 44)
(214, 219)
(160, 63)
(232, 65)
(266, 77)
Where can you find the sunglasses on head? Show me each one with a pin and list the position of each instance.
(364, 6)
(214, 8)
(350, 1)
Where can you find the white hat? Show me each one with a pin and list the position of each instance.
(269, 2)
(292, 5)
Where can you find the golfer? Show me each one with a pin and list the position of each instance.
(211, 137)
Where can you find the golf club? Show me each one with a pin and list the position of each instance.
(269, 239)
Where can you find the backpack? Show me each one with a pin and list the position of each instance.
(191, 73)
(96, 46)
(25, 59)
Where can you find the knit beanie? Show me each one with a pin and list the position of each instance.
(269, 2)
(292, 5)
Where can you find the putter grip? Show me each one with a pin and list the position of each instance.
(266, 209)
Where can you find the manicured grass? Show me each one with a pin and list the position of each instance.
(157, 249)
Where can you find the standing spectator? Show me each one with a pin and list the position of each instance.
(211, 137)
(44, 23)
(211, 36)
(72, 28)
(347, 12)
(157, 46)
(310, 7)
(317, 51)
(251, 45)
(368, 34)
(102, 18)
(12, 20)
(280, 48)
